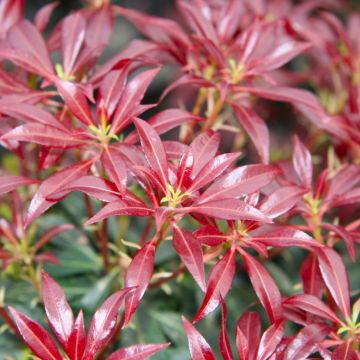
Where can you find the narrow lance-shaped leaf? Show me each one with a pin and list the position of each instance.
(10, 182)
(189, 249)
(225, 347)
(335, 276)
(139, 274)
(57, 308)
(302, 163)
(270, 340)
(115, 168)
(103, 323)
(77, 339)
(137, 352)
(42, 16)
(345, 352)
(35, 337)
(198, 346)
(311, 276)
(219, 283)
(264, 286)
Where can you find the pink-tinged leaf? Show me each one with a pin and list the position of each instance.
(75, 99)
(103, 323)
(305, 342)
(345, 352)
(11, 12)
(243, 180)
(51, 233)
(42, 135)
(311, 276)
(212, 170)
(120, 208)
(54, 183)
(225, 347)
(35, 337)
(72, 38)
(189, 249)
(184, 170)
(198, 346)
(29, 49)
(153, 149)
(219, 284)
(351, 197)
(313, 305)
(335, 276)
(270, 340)
(204, 149)
(227, 209)
(77, 339)
(115, 167)
(264, 286)
(248, 330)
(139, 274)
(9, 183)
(174, 149)
(131, 98)
(57, 308)
(281, 200)
(166, 120)
(282, 236)
(257, 130)
(42, 17)
(210, 235)
(137, 352)
(302, 163)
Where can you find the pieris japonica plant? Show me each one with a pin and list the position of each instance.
(195, 194)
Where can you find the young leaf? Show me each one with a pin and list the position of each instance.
(137, 352)
(35, 337)
(58, 310)
(199, 348)
(115, 168)
(311, 276)
(270, 340)
(225, 347)
(345, 352)
(210, 235)
(9, 183)
(77, 339)
(189, 249)
(219, 283)
(302, 163)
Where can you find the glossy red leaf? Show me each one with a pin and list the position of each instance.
(270, 340)
(264, 286)
(210, 235)
(189, 249)
(345, 352)
(311, 276)
(77, 339)
(243, 180)
(225, 347)
(103, 323)
(257, 130)
(139, 274)
(42, 16)
(11, 12)
(305, 342)
(137, 352)
(248, 330)
(302, 163)
(35, 337)
(153, 149)
(10, 182)
(219, 283)
(57, 308)
(184, 170)
(199, 348)
(281, 200)
(115, 167)
(335, 276)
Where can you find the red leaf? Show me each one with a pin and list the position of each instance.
(281, 201)
(302, 163)
(335, 276)
(345, 352)
(153, 149)
(9, 183)
(219, 283)
(264, 286)
(184, 170)
(190, 251)
(256, 128)
(72, 38)
(199, 348)
(103, 323)
(270, 340)
(139, 274)
(51, 233)
(35, 337)
(42, 16)
(58, 310)
(115, 168)
(210, 235)
(137, 352)
(304, 343)
(39, 203)
(311, 276)
(243, 180)
(77, 339)
(225, 347)
(248, 330)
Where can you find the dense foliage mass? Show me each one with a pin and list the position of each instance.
(233, 195)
